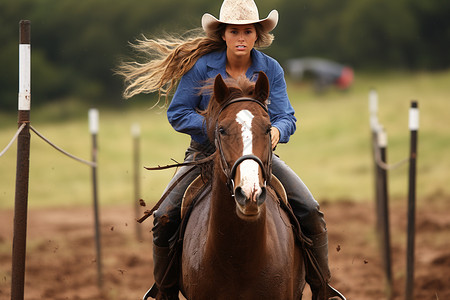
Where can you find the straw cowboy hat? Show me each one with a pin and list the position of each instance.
(239, 12)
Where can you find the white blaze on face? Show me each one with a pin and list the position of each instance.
(248, 168)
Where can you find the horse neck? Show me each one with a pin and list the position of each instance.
(227, 232)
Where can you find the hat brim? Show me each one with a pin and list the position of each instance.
(210, 23)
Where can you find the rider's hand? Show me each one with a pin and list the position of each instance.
(275, 133)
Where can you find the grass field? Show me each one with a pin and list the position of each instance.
(330, 150)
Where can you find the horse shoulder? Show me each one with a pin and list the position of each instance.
(280, 229)
(194, 240)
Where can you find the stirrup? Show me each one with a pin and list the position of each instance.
(152, 292)
(332, 293)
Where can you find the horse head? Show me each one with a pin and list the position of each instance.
(241, 133)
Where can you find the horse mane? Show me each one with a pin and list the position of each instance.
(241, 87)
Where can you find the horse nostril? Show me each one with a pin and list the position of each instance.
(240, 196)
(262, 196)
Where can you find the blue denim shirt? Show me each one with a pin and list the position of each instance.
(183, 109)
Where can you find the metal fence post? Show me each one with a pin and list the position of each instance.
(413, 127)
(379, 150)
(375, 127)
(136, 132)
(383, 205)
(93, 127)
(23, 164)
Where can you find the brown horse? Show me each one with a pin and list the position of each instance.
(238, 242)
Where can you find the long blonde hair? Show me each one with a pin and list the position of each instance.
(168, 59)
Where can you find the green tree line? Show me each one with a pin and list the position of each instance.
(76, 44)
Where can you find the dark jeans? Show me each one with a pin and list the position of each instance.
(306, 209)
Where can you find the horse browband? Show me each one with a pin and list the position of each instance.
(243, 99)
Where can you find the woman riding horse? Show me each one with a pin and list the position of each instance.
(226, 47)
(238, 242)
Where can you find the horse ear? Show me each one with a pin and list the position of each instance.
(262, 87)
(221, 91)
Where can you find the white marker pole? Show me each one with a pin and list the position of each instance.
(25, 76)
(93, 128)
(375, 129)
(136, 133)
(414, 128)
(373, 110)
(93, 121)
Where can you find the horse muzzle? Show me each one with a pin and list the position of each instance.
(250, 190)
(249, 199)
(249, 204)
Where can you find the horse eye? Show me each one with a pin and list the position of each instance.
(222, 131)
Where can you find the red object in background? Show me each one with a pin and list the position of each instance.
(346, 78)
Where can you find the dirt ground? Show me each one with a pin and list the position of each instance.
(61, 258)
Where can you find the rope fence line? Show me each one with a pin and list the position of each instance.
(13, 139)
(386, 166)
(92, 164)
(378, 160)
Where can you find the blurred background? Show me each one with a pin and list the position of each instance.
(77, 44)
(400, 48)
(334, 53)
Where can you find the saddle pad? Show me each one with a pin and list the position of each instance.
(194, 188)
(278, 187)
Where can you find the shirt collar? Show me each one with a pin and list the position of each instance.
(217, 62)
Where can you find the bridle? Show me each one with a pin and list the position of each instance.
(231, 172)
